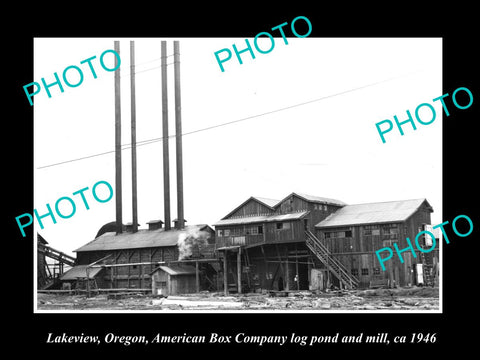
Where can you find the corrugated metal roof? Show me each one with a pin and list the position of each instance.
(80, 271)
(140, 239)
(262, 218)
(178, 270)
(381, 212)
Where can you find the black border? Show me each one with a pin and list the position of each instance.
(28, 331)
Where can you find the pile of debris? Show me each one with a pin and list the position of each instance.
(415, 298)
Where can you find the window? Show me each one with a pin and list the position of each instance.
(338, 234)
(354, 272)
(370, 230)
(376, 271)
(260, 229)
(226, 232)
(219, 233)
(364, 271)
(281, 226)
(390, 231)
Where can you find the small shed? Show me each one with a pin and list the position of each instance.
(76, 277)
(173, 280)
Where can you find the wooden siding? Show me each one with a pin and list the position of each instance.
(292, 204)
(131, 276)
(290, 231)
(356, 247)
(172, 284)
(251, 208)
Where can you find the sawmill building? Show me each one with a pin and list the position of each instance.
(267, 244)
(310, 242)
(128, 260)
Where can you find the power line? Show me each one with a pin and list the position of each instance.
(154, 140)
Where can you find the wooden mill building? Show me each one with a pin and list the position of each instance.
(270, 244)
(355, 232)
(128, 260)
(309, 242)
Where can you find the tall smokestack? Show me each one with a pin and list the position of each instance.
(178, 134)
(166, 162)
(134, 138)
(118, 149)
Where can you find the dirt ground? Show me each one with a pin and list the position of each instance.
(414, 298)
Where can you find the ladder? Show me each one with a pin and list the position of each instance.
(427, 276)
(331, 262)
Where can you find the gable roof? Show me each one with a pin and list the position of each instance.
(140, 239)
(177, 270)
(269, 203)
(381, 212)
(80, 271)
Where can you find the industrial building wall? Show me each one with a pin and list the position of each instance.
(129, 276)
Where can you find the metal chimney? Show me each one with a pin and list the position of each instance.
(118, 149)
(166, 163)
(178, 135)
(134, 138)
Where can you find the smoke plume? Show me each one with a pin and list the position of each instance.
(189, 241)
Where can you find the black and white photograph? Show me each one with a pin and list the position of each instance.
(276, 194)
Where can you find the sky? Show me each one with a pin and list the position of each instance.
(308, 112)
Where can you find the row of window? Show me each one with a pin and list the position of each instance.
(251, 230)
(365, 271)
(338, 234)
(320, 207)
(388, 231)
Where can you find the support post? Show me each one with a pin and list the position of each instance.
(87, 270)
(225, 275)
(239, 270)
(297, 276)
(197, 277)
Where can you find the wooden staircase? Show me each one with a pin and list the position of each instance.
(330, 262)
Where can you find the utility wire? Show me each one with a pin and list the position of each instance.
(153, 140)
